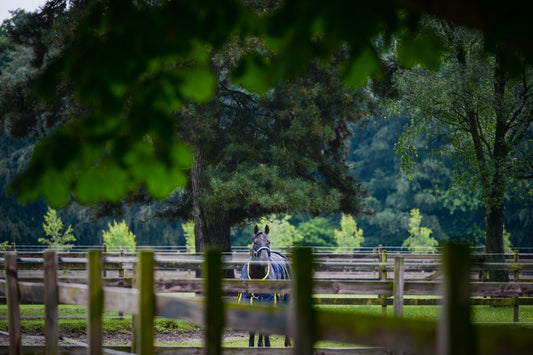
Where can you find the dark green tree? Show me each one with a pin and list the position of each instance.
(273, 154)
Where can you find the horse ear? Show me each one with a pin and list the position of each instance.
(256, 229)
(267, 229)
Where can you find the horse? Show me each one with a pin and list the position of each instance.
(264, 264)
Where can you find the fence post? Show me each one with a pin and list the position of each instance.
(146, 302)
(121, 276)
(456, 334)
(134, 316)
(516, 274)
(104, 273)
(214, 307)
(13, 307)
(303, 318)
(95, 302)
(383, 276)
(398, 285)
(51, 331)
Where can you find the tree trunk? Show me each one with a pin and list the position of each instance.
(494, 241)
(211, 223)
(494, 201)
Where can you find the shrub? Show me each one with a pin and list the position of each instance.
(119, 236)
(419, 240)
(349, 236)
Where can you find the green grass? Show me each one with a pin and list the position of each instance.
(112, 322)
(484, 314)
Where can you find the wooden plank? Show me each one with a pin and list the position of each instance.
(31, 293)
(258, 318)
(13, 308)
(502, 289)
(398, 286)
(51, 324)
(121, 299)
(412, 336)
(171, 306)
(456, 335)
(503, 339)
(303, 317)
(76, 294)
(146, 304)
(214, 308)
(96, 302)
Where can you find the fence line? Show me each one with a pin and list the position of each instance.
(302, 321)
(514, 294)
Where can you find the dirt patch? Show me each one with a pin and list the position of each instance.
(163, 338)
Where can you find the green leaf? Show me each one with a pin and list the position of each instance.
(56, 187)
(255, 73)
(425, 48)
(162, 181)
(181, 155)
(106, 181)
(357, 72)
(198, 84)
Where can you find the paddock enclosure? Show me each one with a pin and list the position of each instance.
(131, 282)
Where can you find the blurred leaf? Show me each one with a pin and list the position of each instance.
(356, 72)
(105, 181)
(56, 187)
(425, 48)
(255, 73)
(198, 84)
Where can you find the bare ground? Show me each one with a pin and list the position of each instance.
(162, 338)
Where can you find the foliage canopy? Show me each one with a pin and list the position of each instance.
(127, 132)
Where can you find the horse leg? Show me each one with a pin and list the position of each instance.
(287, 341)
(260, 341)
(267, 341)
(251, 340)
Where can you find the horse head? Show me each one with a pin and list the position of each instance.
(260, 251)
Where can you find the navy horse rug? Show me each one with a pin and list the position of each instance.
(264, 264)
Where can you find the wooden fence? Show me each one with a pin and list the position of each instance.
(454, 333)
(366, 274)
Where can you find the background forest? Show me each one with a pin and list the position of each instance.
(373, 162)
(372, 157)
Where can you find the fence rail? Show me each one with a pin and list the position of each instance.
(301, 320)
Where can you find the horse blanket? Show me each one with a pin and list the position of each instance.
(276, 270)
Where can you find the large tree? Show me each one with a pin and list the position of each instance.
(475, 112)
(277, 153)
